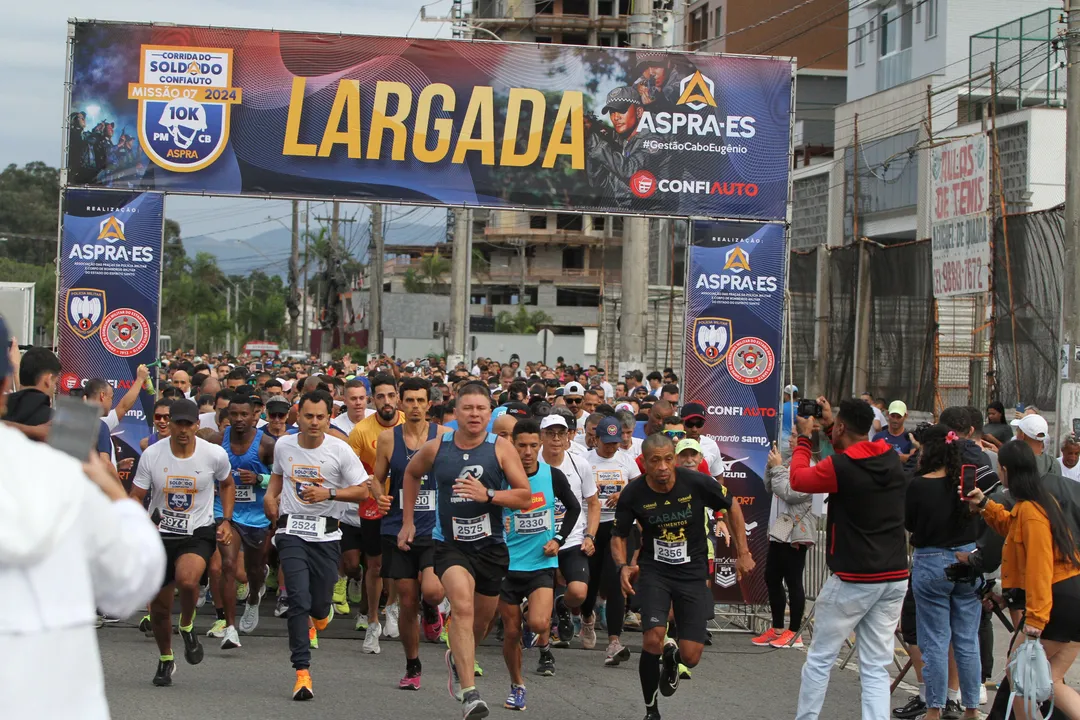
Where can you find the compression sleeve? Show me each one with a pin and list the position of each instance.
(565, 494)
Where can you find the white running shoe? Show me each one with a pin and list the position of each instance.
(230, 639)
(250, 619)
(371, 639)
(204, 591)
(354, 591)
(390, 630)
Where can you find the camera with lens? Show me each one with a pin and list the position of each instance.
(961, 573)
(920, 431)
(809, 408)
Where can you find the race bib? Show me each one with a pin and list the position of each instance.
(175, 523)
(245, 493)
(560, 511)
(672, 553)
(532, 523)
(311, 527)
(425, 501)
(609, 482)
(471, 529)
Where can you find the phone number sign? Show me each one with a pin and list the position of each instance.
(960, 227)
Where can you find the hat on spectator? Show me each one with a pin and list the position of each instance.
(687, 444)
(897, 407)
(1033, 426)
(573, 388)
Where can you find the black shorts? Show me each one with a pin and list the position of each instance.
(397, 564)
(1064, 625)
(692, 601)
(371, 537)
(574, 565)
(201, 542)
(517, 586)
(487, 565)
(250, 537)
(907, 619)
(351, 538)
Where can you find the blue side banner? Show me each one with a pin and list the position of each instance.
(109, 296)
(734, 326)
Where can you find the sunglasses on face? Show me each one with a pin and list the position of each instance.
(277, 415)
(164, 417)
(573, 400)
(675, 434)
(694, 424)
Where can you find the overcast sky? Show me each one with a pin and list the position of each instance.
(32, 50)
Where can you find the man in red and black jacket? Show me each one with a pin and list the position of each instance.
(866, 549)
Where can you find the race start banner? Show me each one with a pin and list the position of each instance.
(109, 296)
(734, 327)
(960, 224)
(432, 122)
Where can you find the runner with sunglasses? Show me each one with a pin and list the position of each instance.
(574, 397)
(277, 418)
(675, 431)
(693, 415)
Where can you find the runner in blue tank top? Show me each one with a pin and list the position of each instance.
(412, 570)
(472, 470)
(251, 454)
(534, 542)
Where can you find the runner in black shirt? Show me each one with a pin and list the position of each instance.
(669, 503)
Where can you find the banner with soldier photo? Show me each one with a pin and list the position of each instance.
(734, 326)
(256, 112)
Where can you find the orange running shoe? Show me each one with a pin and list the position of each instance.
(787, 639)
(766, 637)
(302, 689)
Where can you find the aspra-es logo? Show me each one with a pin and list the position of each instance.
(111, 229)
(736, 260)
(697, 92)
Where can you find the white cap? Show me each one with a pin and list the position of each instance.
(573, 388)
(624, 406)
(551, 420)
(791, 389)
(1033, 426)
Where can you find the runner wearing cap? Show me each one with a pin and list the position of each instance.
(277, 417)
(578, 547)
(611, 471)
(573, 394)
(693, 417)
(533, 540)
(179, 476)
(313, 474)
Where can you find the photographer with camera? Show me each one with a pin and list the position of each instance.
(1040, 565)
(947, 602)
(866, 550)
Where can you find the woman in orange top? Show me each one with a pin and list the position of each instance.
(1041, 558)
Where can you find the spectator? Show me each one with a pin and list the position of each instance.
(996, 430)
(960, 421)
(895, 433)
(946, 611)
(867, 553)
(1069, 460)
(979, 438)
(787, 418)
(670, 392)
(656, 381)
(792, 532)
(880, 421)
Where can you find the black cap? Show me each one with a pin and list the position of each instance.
(184, 411)
(609, 430)
(693, 410)
(517, 410)
(277, 404)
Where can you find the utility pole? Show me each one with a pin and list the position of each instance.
(459, 288)
(1068, 410)
(304, 341)
(228, 318)
(635, 246)
(376, 258)
(294, 272)
(863, 301)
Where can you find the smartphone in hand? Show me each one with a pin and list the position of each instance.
(74, 428)
(968, 474)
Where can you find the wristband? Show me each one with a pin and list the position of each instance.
(982, 503)
(591, 536)
(620, 566)
(560, 540)
(264, 481)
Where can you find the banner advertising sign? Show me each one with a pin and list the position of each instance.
(433, 122)
(960, 224)
(734, 325)
(108, 299)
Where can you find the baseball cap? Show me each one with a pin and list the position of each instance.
(1033, 426)
(687, 444)
(517, 410)
(897, 407)
(277, 404)
(609, 430)
(624, 406)
(5, 340)
(573, 388)
(620, 99)
(791, 389)
(184, 410)
(693, 410)
(553, 420)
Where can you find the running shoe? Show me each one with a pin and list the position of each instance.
(217, 630)
(193, 649)
(444, 635)
(165, 670)
(354, 590)
(270, 579)
(652, 713)
(953, 710)
(566, 621)
(282, 606)
(204, 592)
(787, 639)
(361, 622)
(453, 682)
(632, 620)
(684, 672)
(108, 619)
(230, 639)
(766, 637)
(341, 603)
(146, 626)
(528, 637)
(516, 699)
(432, 630)
(302, 689)
(472, 707)
(982, 695)
(477, 670)
(371, 639)
(242, 590)
(250, 619)
(390, 629)
(588, 633)
(915, 708)
(409, 682)
(616, 653)
(669, 670)
(313, 637)
(547, 664)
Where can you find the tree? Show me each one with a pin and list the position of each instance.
(412, 282)
(28, 198)
(522, 322)
(433, 268)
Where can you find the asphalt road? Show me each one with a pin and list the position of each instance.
(734, 680)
